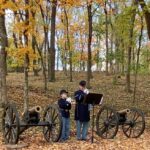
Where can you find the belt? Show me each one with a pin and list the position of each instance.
(64, 110)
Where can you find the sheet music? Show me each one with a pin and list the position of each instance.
(101, 101)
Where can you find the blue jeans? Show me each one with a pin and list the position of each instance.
(82, 129)
(65, 128)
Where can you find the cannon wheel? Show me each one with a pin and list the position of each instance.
(107, 123)
(135, 123)
(10, 124)
(52, 132)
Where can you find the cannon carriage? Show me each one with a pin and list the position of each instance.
(108, 121)
(13, 126)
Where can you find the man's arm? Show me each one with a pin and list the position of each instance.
(79, 96)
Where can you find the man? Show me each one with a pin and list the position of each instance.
(82, 113)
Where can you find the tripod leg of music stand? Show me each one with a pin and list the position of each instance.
(92, 138)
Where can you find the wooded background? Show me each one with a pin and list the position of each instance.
(101, 36)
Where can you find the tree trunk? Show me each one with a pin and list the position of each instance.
(111, 51)
(81, 60)
(90, 29)
(44, 60)
(35, 69)
(51, 51)
(26, 62)
(147, 15)
(132, 20)
(138, 58)
(106, 39)
(58, 52)
(117, 68)
(111, 40)
(3, 54)
(43, 64)
(68, 44)
(64, 60)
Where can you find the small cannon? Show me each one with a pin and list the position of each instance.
(122, 115)
(108, 121)
(13, 126)
(32, 115)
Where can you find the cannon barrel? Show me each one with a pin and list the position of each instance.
(31, 116)
(124, 111)
(37, 109)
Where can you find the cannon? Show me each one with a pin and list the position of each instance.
(108, 121)
(13, 126)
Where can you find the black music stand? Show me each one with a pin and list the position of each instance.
(93, 99)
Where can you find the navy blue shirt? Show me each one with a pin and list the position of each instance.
(82, 112)
(64, 107)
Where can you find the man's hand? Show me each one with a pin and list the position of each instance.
(86, 91)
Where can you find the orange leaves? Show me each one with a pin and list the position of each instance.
(17, 54)
(71, 3)
(101, 2)
(9, 5)
(14, 6)
(25, 28)
(3, 4)
(22, 28)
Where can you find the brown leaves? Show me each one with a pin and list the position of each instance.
(36, 141)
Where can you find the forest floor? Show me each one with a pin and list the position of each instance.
(114, 95)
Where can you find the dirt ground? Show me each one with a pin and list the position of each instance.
(114, 95)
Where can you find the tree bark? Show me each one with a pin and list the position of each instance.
(51, 51)
(58, 52)
(138, 58)
(132, 20)
(68, 44)
(90, 29)
(3, 66)
(106, 38)
(65, 60)
(43, 65)
(26, 61)
(44, 61)
(35, 69)
(147, 15)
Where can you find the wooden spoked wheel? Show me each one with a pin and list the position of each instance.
(107, 123)
(52, 131)
(135, 123)
(10, 124)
